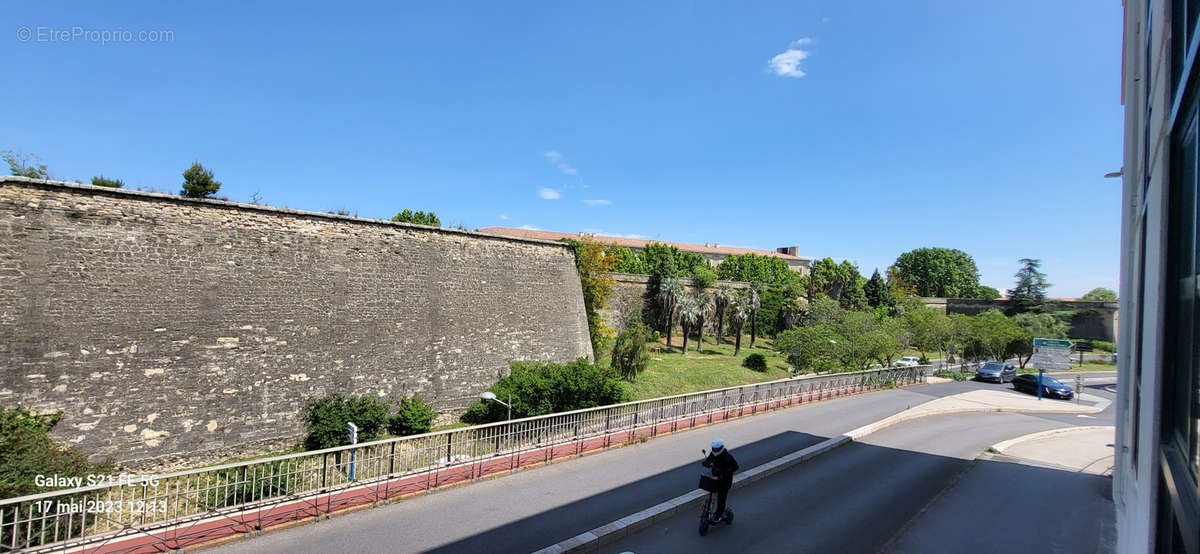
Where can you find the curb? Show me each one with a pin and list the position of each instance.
(591, 541)
(1000, 447)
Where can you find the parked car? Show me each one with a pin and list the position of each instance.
(1000, 372)
(1050, 386)
(908, 361)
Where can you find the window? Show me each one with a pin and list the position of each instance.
(1181, 375)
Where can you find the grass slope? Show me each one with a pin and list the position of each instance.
(672, 371)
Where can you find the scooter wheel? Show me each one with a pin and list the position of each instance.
(729, 516)
(704, 526)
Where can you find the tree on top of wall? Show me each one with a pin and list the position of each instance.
(198, 182)
(24, 165)
(419, 218)
(102, 181)
(1100, 294)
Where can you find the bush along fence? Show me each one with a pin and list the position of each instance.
(173, 511)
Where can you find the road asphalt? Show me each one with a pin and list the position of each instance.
(914, 487)
(534, 508)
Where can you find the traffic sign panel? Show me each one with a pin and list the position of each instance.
(1051, 354)
(1051, 342)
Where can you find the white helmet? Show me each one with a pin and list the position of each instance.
(717, 445)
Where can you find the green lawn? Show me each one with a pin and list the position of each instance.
(671, 371)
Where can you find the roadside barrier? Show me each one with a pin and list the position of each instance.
(167, 512)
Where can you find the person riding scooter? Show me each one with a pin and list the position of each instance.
(723, 466)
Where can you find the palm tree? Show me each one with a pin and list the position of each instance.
(737, 319)
(704, 302)
(689, 314)
(721, 296)
(752, 308)
(670, 290)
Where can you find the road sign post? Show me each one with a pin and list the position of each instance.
(352, 437)
(1050, 354)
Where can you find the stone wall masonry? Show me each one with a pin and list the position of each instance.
(629, 291)
(167, 327)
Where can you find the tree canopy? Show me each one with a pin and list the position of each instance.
(876, 291)
(198, 182)
(594, 266)
(752, 268)
(1036, 326)
(1031, 283)
(24, 165)
(1100, 294)
(419, 218)
(941, 272)
(102, 181)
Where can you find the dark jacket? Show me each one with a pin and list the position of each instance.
(723, 466)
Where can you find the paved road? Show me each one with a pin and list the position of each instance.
(866, 496)
(532, 509)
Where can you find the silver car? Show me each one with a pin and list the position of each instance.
(1000, 372)
(908, 361)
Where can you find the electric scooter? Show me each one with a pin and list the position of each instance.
(711, 484)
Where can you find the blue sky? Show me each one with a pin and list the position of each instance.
(855, 130)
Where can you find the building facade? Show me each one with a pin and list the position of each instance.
(1158, 401)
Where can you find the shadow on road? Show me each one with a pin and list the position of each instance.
(861, 496)
(564, 522)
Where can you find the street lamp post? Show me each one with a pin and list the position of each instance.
(489, 395)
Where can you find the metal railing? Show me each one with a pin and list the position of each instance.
(187, 507)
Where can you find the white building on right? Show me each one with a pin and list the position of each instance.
(1158, 403)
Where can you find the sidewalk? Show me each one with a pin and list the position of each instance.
(1060, 475)
(1081, 449)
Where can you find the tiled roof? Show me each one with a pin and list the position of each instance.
(637, 243)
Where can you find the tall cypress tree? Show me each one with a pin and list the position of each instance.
(876, 291)
(1031, 284)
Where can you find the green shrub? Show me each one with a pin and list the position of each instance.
(102, 181)
(956, 375)
(923, 360)
(26, 451)
(29, 451)
(630, 354)
(755, 361)
(539, 388)
(326, 418)
(414, 417)
(704, 277)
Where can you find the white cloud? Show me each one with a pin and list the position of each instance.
(598, 202)
(548, 193)
(503, 217)
(530, 228)
(824, 20)
(787, 64)
(555, 157)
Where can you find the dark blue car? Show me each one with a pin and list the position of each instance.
(1050, 386)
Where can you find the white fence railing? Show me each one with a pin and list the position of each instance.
(187, 507)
